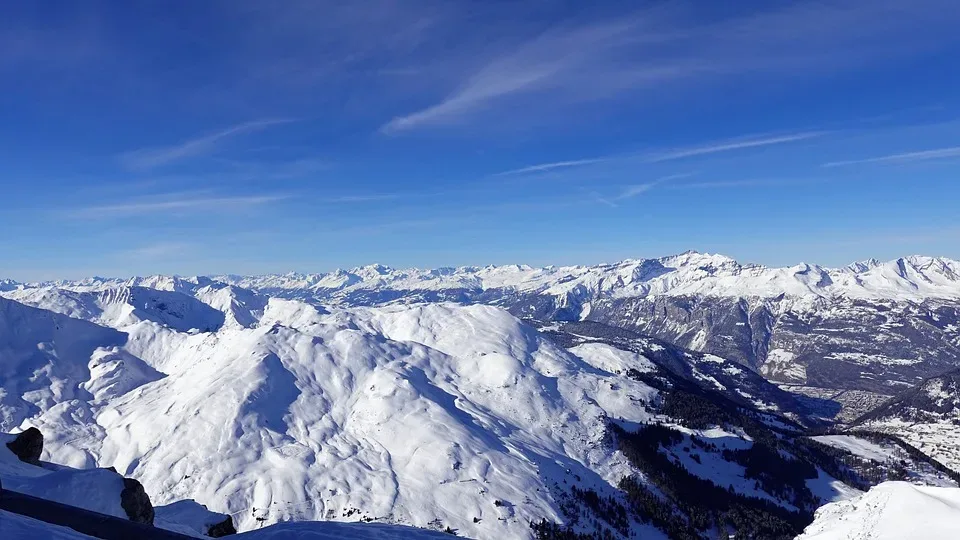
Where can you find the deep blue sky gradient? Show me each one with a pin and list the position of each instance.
(245, 137)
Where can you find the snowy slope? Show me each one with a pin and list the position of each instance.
(425, 415)
(17, 527)
(434, 415)
(890, 511)
(98, 490)
(122, 305)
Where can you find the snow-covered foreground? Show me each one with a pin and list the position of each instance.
(890, 511)
(434, 416)
(99, 490)
(17, 527)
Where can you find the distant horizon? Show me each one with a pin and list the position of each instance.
(467, 266)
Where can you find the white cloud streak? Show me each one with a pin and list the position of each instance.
(148, 158)
(363, 198)
(178, 204)
(923, 155)
(727, 146)
(551, 166)
(640, 189)
(562, 58)
(658, 47)
(721, 184)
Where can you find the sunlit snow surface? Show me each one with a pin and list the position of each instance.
(421, 415)
(890, 511)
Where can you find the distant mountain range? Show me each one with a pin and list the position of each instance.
(690, 273)
(877, 326)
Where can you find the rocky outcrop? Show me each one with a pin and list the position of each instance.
(135, 502)
(224, 528)
(28, 446)
(874, 345)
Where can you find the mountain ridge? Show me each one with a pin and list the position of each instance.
(912, 277)
(872, 326)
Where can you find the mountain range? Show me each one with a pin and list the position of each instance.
(492, 401)
(873, 326)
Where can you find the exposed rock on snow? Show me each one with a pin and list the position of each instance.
(135, 502)
(27, 445)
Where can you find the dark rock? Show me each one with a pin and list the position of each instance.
(28, 445)
(135, 502)
(224, 528)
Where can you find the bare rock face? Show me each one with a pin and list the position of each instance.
(135, 502)
(224, 528)
(28, 446)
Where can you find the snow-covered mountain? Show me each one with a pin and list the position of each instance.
(480, 399)
(435, 415)
(107, 493)
(691, 273)
(872, 326)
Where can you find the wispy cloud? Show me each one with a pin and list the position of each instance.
(657, 48)
(542, 167)
(923, 155)
(569, 58)
(603, 200)
(148, 158)
(639, 189)
(363, 198)
(176, 203)
(749, 182)
(730, 145)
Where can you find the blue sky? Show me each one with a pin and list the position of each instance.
(254, 137)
